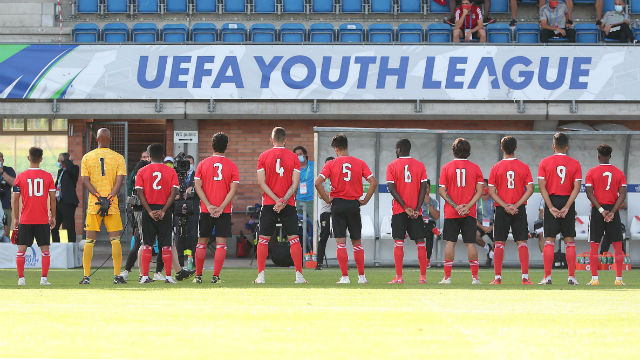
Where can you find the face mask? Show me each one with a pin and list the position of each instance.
(619, 8)
(59, 165)
(0, 164)
(466, 6)
(191, 167)
(301, 158)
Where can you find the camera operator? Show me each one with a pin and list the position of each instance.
(192, 220)
(7, 177)
(135, 221)
(184, 208)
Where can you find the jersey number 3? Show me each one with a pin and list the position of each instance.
(218, 168)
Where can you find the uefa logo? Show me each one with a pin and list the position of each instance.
(31, 258)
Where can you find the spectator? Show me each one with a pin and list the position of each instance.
(430, 215)
(169, 161)
(453, 4)
(538, 230)
(555, 22)
(325, 222)
(132, 177)
(513, 4)
(4, 227)
(7, 177)
(66, 198)
(469, 23)
(485, 210)
(304, 198)
(615, 24)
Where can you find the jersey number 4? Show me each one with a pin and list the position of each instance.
(279, 169)
(36, 187)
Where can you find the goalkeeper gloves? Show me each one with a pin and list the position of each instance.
(104, 203)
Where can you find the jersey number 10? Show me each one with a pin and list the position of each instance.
(36, 187)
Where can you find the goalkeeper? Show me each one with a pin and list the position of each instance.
(103, 172)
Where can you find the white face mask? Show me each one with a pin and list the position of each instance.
(619, 8)
(191, 167)
(301, 158)
(1, 164)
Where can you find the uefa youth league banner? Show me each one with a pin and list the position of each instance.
(333, 72)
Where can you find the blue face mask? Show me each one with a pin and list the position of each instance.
(619, 8)
(191, 167)
(59, 165)
(301, 158)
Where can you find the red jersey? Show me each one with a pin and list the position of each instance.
(278, 165)
(217, 174)
(510, 177)
(345, 174)
(560, 172)
(460, 177)
(34, 186)
(471, 20)
(605, 179)
(156, 181)
(407, 174)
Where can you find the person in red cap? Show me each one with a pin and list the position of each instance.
(555, 22)
(469, 24)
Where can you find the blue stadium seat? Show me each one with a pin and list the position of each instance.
(498, 32)
(263, 33)
(635, 6)
(293, 6)
(352, 32)
(351, 6)
(115, 33)
(148, 6)
(527, 33)
(322, 6)
(321, 32)
(410, 6)
(582, 1)
(381, 6)
(204, 32)
(86, 33)
(380, 33)
(117, 6)
(410, 33)
(144, 33)
(176, 6)
(206, 6)
(587, 33)
(234, 6)
(501, 6)
(233, 32)
(292, 33)
(436, 8)
(264, 6)
(439, 33)
(608, 5)
(636, 33)
(88, 6)
(175, 33)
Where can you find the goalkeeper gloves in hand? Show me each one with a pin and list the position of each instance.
(104, 206)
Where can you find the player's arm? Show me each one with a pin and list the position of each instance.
(322, 193)
(144, 202)
(117, 186)
(295, 182)
(233, 189)
(52, 208)
(542, 184)
(15, 208)
(572, 198)
(86, 180)
(493, 192)
(263, 185)
(474, 199)
(8, 178)
(373, 184)
(396, 196)
(170, 201)
(203, 196)
(527, 194)
(622, 194)
(442, 190)
(591, 196)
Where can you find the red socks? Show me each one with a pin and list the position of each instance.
(619, 255)
(166, 259)
(474, 265)
(46, 262)
(201, 255)
(263, 252)
(145, 259)
(523, 254)
(343, 258)
(571, 258)
(358, 256)
(422, 258)
(547, 254)
(20, 264)
(593, 258)
(221, 253)
(498, 257)
(398, 256)
(447, 269)
(296, 252)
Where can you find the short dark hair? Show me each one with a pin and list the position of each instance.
(190, 157)
(509, 144)
(65, 156)
(278, 134)
(340, 142)
(140, 165)
(461, 148)
(329, 159)
(35, 154)
(156, 152)
(561, 140)
(219, 142)
(605, 150)
(404, 145)
(301, 148)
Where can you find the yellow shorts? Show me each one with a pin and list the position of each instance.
(112, 222)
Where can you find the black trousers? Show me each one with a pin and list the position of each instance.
(325, 231)
(546, 34)
(65, 215)
(428, 237)
(624, 34)
(191, 240)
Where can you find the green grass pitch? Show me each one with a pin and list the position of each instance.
(281, 320)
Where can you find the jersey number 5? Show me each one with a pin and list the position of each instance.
(158, 176)
(218, 167)
(346, 170)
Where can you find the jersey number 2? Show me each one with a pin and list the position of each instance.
(158, 176)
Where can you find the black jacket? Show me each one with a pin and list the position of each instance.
(68, 183)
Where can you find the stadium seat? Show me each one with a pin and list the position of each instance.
(527, 33)
(204, 32)
(498, 33)
(410, 6)
(86, 33)
(587, 33)
(293, 6)
(439, 33)
(88, 6)
(321, 32)
(635, 6)
(147, 6)
(381, 6)
(264, 6)
(634, 229)
(144, 33)
(234, 6)
(410, 33)
(263, 33)
(352, 32)
(206, 6)
(380, 33)
(582, 1)
(176, 6)
(351, 6)
(117, 6)
(582, 228)
(115, 33)
(292, 33)
(608, 5)
(233, 32)
(322, 6)
(636, 33)
(175, 33)
(436, 8)
(501, 6)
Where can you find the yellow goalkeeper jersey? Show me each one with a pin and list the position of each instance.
(102, 166)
